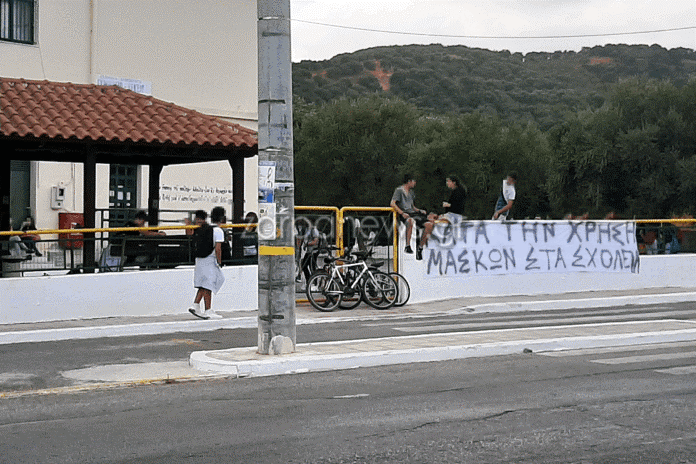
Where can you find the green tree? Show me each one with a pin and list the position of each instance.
(481, 151)
(633, 155)
(351, 152)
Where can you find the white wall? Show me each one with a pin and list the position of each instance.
(149, 293)
(655, 271)
(62, 49)
(136, 293)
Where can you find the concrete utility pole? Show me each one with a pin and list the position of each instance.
(277, 333)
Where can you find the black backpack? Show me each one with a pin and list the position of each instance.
(203, 243)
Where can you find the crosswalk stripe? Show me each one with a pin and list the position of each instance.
(646, 358)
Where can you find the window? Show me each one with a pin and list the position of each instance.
(17, 21)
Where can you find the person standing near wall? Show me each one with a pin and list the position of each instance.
(207, 247)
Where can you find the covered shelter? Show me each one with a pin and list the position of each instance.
(92, 124)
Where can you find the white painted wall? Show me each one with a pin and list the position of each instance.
(136, 293)
(149, 293)
(655, 271)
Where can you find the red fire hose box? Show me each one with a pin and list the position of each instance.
(71, 221)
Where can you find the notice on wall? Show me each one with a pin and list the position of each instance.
(192, 196)
(492, 247)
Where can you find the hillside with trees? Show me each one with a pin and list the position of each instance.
(538, 87)
(592, 140)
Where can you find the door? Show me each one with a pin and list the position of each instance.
(123, 189)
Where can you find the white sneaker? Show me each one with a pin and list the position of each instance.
(211, 314)
(195, 309)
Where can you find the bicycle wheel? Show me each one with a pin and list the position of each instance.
(404, 288)
(351, 296)
(380, 290)
(323, 292)
(350, 299)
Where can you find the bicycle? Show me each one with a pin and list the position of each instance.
(351, 299)
(327, 287)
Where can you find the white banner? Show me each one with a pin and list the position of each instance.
(527, 247)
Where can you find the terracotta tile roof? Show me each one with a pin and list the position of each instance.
(108, 113)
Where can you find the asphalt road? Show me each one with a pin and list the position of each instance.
(27, 367)
(593, 406)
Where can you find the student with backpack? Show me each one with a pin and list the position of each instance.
(207, 249)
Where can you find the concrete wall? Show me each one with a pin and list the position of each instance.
(136, 293)
(148, 293)
(655, 271)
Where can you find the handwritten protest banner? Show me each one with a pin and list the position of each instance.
(491, 247)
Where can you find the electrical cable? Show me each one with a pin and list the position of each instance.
(423, 34)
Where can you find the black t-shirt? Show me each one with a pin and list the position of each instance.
(456, 200)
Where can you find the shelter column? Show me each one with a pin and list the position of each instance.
(153, 187)
(237, 165)
(277, 332)
(5, 176)
(90, 209)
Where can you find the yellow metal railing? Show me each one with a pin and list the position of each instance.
(94, 230)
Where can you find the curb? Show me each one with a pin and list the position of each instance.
(124, 330)
(296, 364)
(580, 303)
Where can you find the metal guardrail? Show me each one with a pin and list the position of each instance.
(115, 249)
(655, 236)
(666, 236)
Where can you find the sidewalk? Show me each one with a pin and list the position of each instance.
(316, 357)
(341, 355)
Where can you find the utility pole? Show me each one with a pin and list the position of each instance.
(276, 292)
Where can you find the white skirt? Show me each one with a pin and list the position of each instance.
(207, 274)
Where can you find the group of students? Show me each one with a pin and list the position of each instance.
(403, 202)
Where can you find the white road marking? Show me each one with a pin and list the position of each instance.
(682, 370)
(560, 320)
(646, 358)
(613, 349)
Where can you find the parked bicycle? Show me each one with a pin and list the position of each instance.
(344, 282)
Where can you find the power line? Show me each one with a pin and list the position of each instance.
(655, 31)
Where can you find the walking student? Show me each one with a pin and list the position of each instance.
(207, 247)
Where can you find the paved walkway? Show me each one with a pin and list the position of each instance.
(392, 350)
(314, 357)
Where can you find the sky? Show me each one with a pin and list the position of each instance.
(515, 25)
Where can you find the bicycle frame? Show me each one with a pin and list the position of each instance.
(336, 273)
